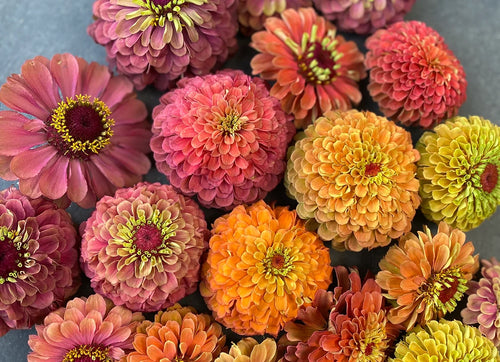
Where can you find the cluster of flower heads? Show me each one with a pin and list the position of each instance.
(77, 133)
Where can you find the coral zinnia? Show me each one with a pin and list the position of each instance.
(178, 334)
(427, 275)
(221, 137)
(483, 304)
(253, 13)
(87, 329)
(249, 350)
(38, 259)
(262, 265)
(445, 341)
(459, 170)
(87, 135)
(414, 77)
(353, 174)
(363, 16)
(315, 70)
(157, 41)
(142, 247)
(356, 327)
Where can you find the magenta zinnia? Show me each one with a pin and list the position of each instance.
(38, 259)
(221, 137)
(76, 131)
(157, 41)
(315, 69)
(86, 330)
(142, 247)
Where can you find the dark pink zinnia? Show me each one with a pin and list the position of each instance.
(75, 132)
(157, 41)
(414, 77)
(221, 137)
(38, 259)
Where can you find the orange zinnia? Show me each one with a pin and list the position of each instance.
(427, 275)
(261, 267)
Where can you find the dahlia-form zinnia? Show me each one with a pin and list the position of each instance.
(414, 77)
(315, 69)
(38, 259)
(249, 350)
(262, 265)
(178, 334)
(87, 329)
(142, 247)
(426, 275)
(459, 170)
(353, 175)
(221, 137)
(75, 132)
(363, 16)
(445, 341)
(483, 304)
(157, 41)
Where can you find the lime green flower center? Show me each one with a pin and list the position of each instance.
(489, 177)
(14, 255)
(88, 353)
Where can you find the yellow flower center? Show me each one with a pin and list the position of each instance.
(231, 123)
(374, 341)
(14, 255)
(80, 126)
(278, 261)
(87, 353)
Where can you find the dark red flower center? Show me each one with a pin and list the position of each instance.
(148, 237)
(489, 177)
(447, 294)
(369, 349)
(160, 2)
(9, 256)
(372, 169)
(87, 353)
(84, 123)
(317, 64)
(278, 261)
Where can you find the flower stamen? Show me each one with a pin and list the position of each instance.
(14, 255)
(88, 353)
(278, 261)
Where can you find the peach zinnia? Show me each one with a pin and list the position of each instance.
(427, 275)
(353, 175)
(262, 265)
(315, 69)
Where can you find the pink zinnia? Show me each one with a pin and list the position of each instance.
(38, 259)
(157, 41)
(87, 329)
(414, 77)
(221, 137)
(76, 131)
(142, 247)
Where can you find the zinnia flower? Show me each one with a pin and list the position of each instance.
(253, 13)
(427, 275)
(178, 334)
(38, 259)
(222, 138)
(459, 170)
(85, 134)
(315, 69)
(414, 77)
(142, 247)
(483, 304)
(249, 350)
(157, 41)
(357, 328)
(353, 174)
(87, 329)
(363, 16)
(262, 265)
(445, 341)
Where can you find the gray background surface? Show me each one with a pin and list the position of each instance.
(470, 28)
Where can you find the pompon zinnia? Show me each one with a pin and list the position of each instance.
(458, 171)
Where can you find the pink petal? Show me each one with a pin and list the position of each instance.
(30, 187)
(39, 79)
(77, 185)
(64, 68)
(54, 178)
(118, 87)
(131, 111)
(29, 163)
(95, 79)
(14, 138)
(109, 169)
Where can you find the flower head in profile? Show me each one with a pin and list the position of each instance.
(262, 265)
(249, 350)
(426, 275)
(87, 329)
(459, 170)
(75, 132)
(483, 304)
(157, 41)
(221, 137)
(353, 175)
(38, 259)
(315, 69)
(414, 77)
(363, 16)
(445, 341)
(142, 247)
(178, 334)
